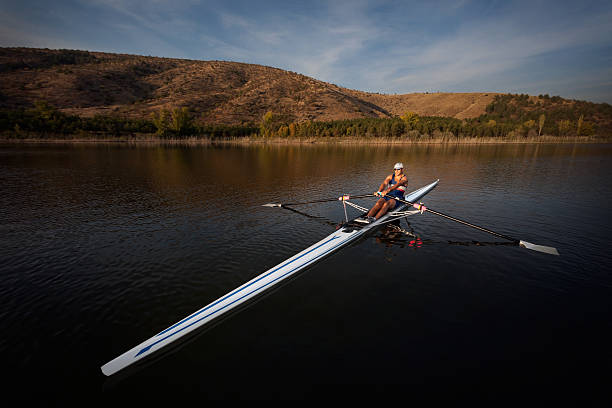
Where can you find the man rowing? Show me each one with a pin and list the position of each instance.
(394, 186)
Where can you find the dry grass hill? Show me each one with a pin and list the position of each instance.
(89, 83)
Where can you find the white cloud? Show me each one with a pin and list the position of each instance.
(254, 31)
(369, 45)
(477, 51)
(314, 45)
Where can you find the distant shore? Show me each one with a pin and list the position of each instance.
(139, 139)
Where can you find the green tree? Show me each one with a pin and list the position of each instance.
(283, 131)
(181, 121)
(411, 120)
(587, 129)
(579, 126)
(541, 121)
(564, 127)
(530, 124)
(397, 128)
(17, 130)
(161, 121)
(44, 110)
(266, 123)
(272, 122)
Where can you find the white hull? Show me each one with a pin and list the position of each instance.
(250, 289)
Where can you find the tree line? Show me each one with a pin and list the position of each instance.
(508, 116)
(45, 121)
(550, 115)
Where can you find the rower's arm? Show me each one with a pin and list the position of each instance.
(384, 183)
(401, 182)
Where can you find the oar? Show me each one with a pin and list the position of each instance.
(520, 242)
(345, 197)
(314, 217)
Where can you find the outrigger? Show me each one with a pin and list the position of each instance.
(348, 232)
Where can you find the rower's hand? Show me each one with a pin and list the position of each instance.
(378, 194)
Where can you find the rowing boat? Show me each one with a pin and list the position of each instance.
(347, 233)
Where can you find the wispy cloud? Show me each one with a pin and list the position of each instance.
(491, 48)
(382, 45)
(314, 45)
(254, 32)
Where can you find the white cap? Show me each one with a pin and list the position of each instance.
(398, 166)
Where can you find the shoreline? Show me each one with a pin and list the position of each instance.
(310, 141)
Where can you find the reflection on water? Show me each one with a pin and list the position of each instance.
(102, 246)
(394, 234)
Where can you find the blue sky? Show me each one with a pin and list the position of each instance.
(536, 47)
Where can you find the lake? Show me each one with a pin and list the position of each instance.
(104, 245)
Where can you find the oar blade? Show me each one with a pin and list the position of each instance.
(271, 205)
(539, 248)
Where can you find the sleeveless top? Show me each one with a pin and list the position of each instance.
(398, 192)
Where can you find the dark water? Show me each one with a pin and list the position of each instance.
(103, 246)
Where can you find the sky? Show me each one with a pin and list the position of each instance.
(536, 47)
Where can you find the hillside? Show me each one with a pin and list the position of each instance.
(118, 93)
(89, 83)
(454, 105)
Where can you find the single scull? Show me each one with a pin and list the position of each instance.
(349, 232)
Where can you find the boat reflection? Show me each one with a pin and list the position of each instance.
(394, 235)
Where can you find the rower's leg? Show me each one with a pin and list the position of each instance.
(376, 207)
(388, 204)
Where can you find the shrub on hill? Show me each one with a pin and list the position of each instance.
(46, 59)
(554, 115)
(46, 121)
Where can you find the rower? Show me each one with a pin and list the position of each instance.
(394, 186)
